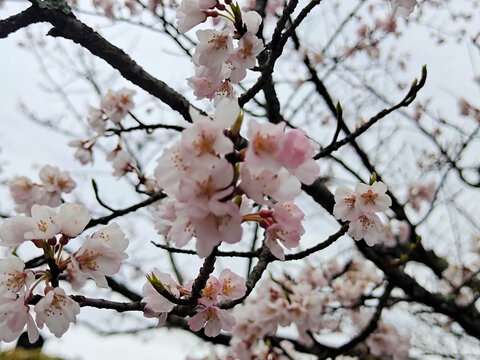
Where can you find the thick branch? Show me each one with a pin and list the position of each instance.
(18, 21)
(69, 27)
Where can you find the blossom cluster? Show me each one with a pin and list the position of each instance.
(114, 106)
(218, 62)
(386, 340)
(51, 229)
(49, 192)
(210, 184)
(359, 208)
(228, 286)
(316, 301)
(421, 193)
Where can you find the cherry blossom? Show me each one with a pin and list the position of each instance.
(345, 201)
(297, 155)
(372, 198)
(13, 278)
(208, 185)
(213, 49)
(286, 228)
(74, 218)
(211, 291)
(21, 189)
(266, 144)
(386, 340)
(213, 319)
(56, 181)
(170, 167)
(47, 223)
(100, 255)
(114, 237)
(190, 13)
(172, 221)
(359, 207)
(211, 228)
(57, 311)
(13, 230)
(204, 139)
(97, 119)
(123, 163)
(245, 54)
(421, 193)
(116, 104)
(367, 227)
(14, 315)
(83, 153)
(26, 193)
(232, 285)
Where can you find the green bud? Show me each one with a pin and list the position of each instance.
(157, 284)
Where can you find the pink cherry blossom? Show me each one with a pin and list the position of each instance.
(83, 151)
(207, 185)
(386, 340)
(210, 292)
(76, 278)
(57, 311)
(74, 218)
(13, 278)
(278, 185)
(95, 259)
(123, 163)
(21, 189)
(232, 285)
(191, 13)
(211, 228)
(286, 229)
(97, 119)
(56, 181)
(213, 319)
(207, 81)
(245, 55)
(116, 104)
(345, 204)
(172, 221)
(367, 227)
(297, 156)
(170, 167)
(213, 49)
(372, 198)
(14, 315)
(204, 139)
(266, 143)
(225, 91)
(252, 21)
(419, 193)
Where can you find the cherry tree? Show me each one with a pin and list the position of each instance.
(288, 193)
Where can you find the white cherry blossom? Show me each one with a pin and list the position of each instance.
(57, 311)
(74, 218)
